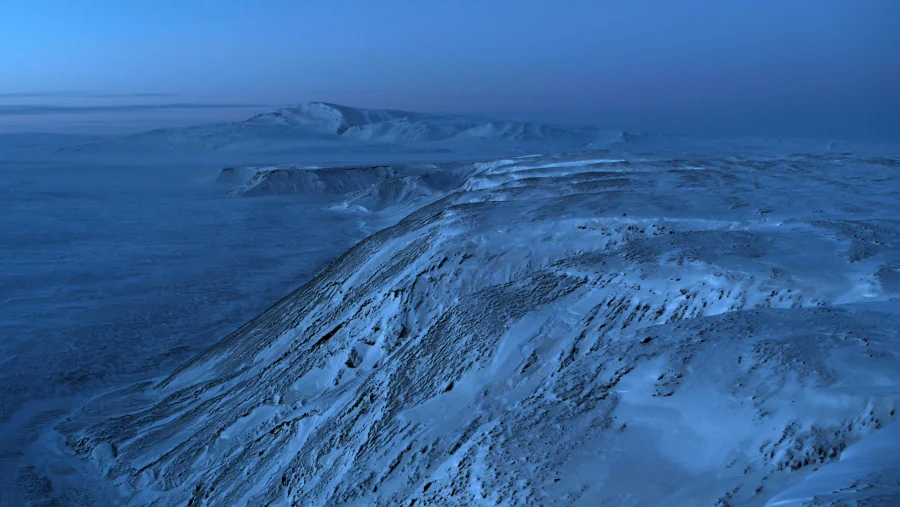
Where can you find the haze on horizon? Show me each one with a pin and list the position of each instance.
(816, 68)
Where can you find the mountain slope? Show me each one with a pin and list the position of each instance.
(556, 330)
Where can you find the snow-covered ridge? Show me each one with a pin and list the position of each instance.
(550, 330)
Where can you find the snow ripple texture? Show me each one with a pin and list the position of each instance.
(565, 330)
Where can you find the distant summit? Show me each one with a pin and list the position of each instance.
(384, 125)
(326, 118)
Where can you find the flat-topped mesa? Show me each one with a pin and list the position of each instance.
(310, 181)
(227, 175)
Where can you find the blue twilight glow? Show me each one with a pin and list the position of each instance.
(820, 67)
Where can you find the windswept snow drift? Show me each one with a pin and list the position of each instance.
(550, 331)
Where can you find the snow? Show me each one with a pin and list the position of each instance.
(867, 471)
(632, 326)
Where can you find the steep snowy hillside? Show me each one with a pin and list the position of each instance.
(317, 124)
(580, 330)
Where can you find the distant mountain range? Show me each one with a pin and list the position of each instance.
(318, 123)
(320, 126)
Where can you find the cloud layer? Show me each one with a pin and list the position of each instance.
(43, 109)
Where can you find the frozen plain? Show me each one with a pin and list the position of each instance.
(643, 320)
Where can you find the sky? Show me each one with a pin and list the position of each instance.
(779, 67)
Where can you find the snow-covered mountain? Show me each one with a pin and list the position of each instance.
(556, 330)
(312, 124)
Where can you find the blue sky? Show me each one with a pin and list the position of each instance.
(818, 67)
